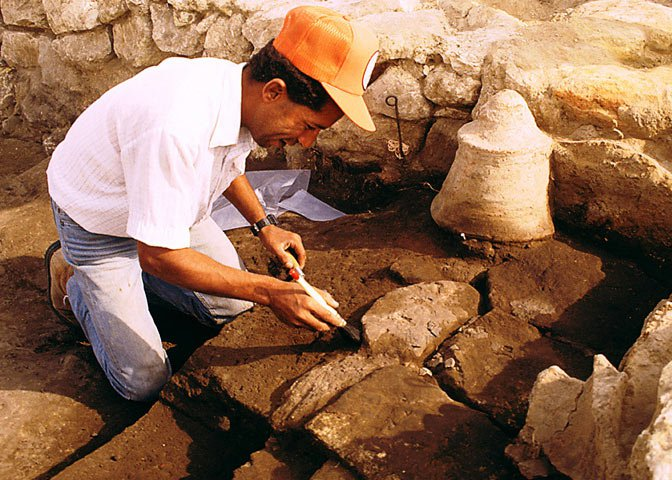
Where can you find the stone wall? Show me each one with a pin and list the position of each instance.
(595, 75)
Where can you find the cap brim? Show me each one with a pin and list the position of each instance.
(353, 107)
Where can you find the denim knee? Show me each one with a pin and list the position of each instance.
(142, 383)
(220, 316)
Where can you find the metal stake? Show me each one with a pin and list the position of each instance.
(393, 101)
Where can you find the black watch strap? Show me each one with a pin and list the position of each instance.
(264, 222)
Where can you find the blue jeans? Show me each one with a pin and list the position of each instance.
(108, 294)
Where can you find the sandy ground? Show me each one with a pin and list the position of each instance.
(55, 405)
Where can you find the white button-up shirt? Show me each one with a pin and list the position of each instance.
(148, 158)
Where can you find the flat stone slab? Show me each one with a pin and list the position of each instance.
(285, 460)
(398, 424)
(412, 269)
(320, 385)
(332, 470)
(494, 361)
(599, 302)
(411, 322)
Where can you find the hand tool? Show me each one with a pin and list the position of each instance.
(299, 277)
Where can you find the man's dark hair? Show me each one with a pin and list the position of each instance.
(268, 64)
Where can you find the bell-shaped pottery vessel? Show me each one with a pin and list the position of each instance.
(497, 187)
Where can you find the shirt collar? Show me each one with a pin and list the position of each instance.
(228, 130)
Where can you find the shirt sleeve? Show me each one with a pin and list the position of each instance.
(161, 180)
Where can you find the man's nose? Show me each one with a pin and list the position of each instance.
(308, 137)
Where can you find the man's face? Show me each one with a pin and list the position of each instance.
(283, 122)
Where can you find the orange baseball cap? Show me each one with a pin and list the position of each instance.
(339, 54)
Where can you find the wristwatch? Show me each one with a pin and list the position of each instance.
(264, 222)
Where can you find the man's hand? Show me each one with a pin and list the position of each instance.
(293, 306)
(278, 240)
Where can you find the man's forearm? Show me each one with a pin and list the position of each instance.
(190, 269)
(241, 195)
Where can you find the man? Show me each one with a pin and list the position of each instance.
(133, 183)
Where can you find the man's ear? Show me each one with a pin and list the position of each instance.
(273, 90)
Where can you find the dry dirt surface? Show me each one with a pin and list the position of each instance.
(56, 406)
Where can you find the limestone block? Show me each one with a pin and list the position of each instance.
(190, 5)
(84, 49)
(332, 470)
(396, 421)
(24, 13)
(7, 99)
(187, 40)
(630, 185)
(133, 40)
(497, 188)
(322, 384)
(225, 40)
(466, 15)
(629, 11)
(652, 454)
(495, 360)
(71, 15)
(406, 87)
(445, 87)
(109, 10)
(400, 37)
(643, 365)
(22, 49)
(261, 27)
(410, 322)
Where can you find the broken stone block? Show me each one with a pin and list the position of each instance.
(397, 81)
(601, 307)
(497, 188)
(410, 323)
(22, 49)
(184, 40)
(397, 424)
(321, 385)
(494, 361)
(225, 40)
(332, 470)
(447, 88)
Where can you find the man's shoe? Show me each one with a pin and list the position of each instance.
(58, 274)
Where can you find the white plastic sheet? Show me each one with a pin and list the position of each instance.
(279, 191)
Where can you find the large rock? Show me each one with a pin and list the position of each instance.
(109, 10)
(321, 385)
(494, 361)
(403, 84)
(652, 453)
(133, 40)
(397, 424)
(411, 322)
(332, 470)
(630, 185)
(85, 49)
(497, 188)
(24, 13)
(447, 88)
(287, 460)
(22, 49)
(417, 268)
(71, 16)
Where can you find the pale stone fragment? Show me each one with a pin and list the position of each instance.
(411, 103)
(71, 15)
(22, 49)
(652, 453)
(445, 87)
(497, 188)
(410, 323)
(133, 40)
(84, 49)
(320, 385)
(190, 5)
(187, 40)
(24, 13)
(225, 40)
(643, 365)
(109, 10)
